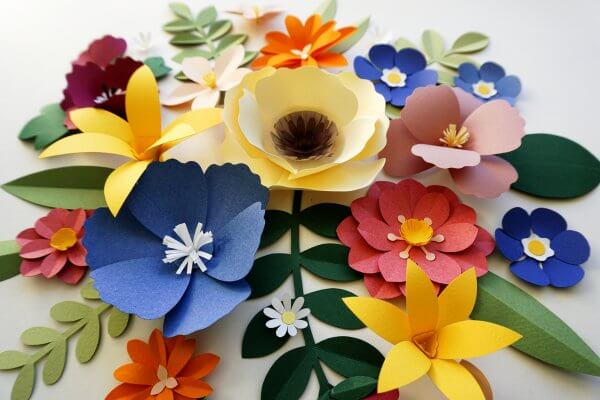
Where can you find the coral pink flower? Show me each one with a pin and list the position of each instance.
(449, 128)
(429, 225)
(53, 247)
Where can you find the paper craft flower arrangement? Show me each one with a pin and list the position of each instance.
(287, 317)
(489, 82)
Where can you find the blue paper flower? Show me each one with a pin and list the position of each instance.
(396, 74)
(489, 82)
(181, 245)
(543, 252)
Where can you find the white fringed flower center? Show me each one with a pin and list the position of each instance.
(187, 248)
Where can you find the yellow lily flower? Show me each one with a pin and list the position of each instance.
(140, 138)
(432, 334)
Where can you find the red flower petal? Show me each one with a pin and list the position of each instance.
(379, 187)
(53, 263)
(393, 395)
(462, 213)
(45, 227)
(457, 237)
(77, 255)
(452, 198)
(26, 236)
(484, 241)
(72, 274)
(441, 270)
(365, 207)
(36, 249)
(31, 267)
(75, 220)
(347, 231)
(472, 258)
(375, 233)
(434, 206)
(380, 288)
(401, 200)
(392, 266)
(363, 258)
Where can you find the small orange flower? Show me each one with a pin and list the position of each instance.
(307, 44)
(163, 369)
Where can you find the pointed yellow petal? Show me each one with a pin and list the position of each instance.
(421, 300)
(175, 135)
(466, 339)
(458, 299)
(404, 364)
(120, 183)
(199, 120)
(143, 107)
(383, 318)
(88, 143)
(481, 379)
(455, 381)
(97, 120)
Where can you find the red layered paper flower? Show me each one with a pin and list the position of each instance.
(398, 221)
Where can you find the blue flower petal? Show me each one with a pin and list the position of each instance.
(384, 90)
(529, 270)
(422, 78)
(469, 73)
(168, 194)
(517, 223)
(206, 301)
(510, 248)
(236, 244)
(382, 55)
(509, 86)
(571, 247)
(400, 94)
(547, 223)
(563, 275)
(146, 287)
(365, 69)
(410, 61)
(491, 72)
(467, 87)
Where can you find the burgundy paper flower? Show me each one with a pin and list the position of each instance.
(102, 51)
(53, 246)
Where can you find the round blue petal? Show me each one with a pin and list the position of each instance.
(467, 87)
(384, 90)
(571, 247)
(410, 61)
(146, 287)
(529, 270)
(491, 72)
(469, 73)
(365, 69)
(563, 275)
(509, 86)
(510, 248)
(399, 95)
(425, 77)
(517, 223)
(547, 223)
(383, 55)
(205, 302)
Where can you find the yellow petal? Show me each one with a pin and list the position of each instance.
(484, 384)
(120, 183)
(404, 364)
(88, 143)
(377, 141)
(466, 339)
(454, 380)
(458, 299)
(175, 135)
(199, 120)
(383, 318)
(143, 108)
(421, 300)
(97, 120)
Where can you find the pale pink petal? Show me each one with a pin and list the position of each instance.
(228, 61)
(58, 215)
(72, 274)
(75, 220)
(434, 206)
(36, 249)
(379, 288)
(45, 227)
(441, 270)
(53, 263)
(195, 68)
(484, 241)
(206, 99)
(232, 79)
(31, 267)
(365, 207)
(183, 93)
(76, 255)
(472, 258)
(492, 177)
(375, 233)
(379, 187)
(346, 231)
(467, 103)
(446, 157)
(401, 200)
(399, 160)
(392, 266)
(363, 258)
(457, 237)
(27, 236)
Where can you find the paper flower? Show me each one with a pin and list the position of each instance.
(142, 42)
(256, 12)
(181, 246)
(395, 74)
(450, 129)
(308, 44)
(102, 52)
(306, 128)
(396, 222)
(53, 247)
(163, 369)
(287, 317)
(208, 82)
(489, 82)
(432, 334)
(543, 252)
(139, 138)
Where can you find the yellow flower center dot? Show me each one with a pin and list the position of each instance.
(394, 78)
(416, 232)
(63, 239)
(288, 317)
(483, 89)
(427, 342)
(536, 247)
(210, 80)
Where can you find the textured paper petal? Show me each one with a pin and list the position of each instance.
(30, 234)
(392, 266)
(421, 300)
(375, 233)
(529, 270)
(561, 274)
(400, 160)
(88, 143)
(36, 249)
(192, 388)
(383, 318)
(183, 93)
(433, 206)
(120, 183)
(98, 120)
(140, 352)
(547, 223)
(363, 258)
(53, 264)
(510, 248)
(365, 208)
(380, 288)
(30, 267)
(446, 157)
(196, 68)
(517, 223)
(200, 366)
(461, 213)
(454, 380)
(472, 258)
(484, 242)
(404, 364)
(137, 374)
(492, 177)
(457, 237)
(181, 354)
(467, 103)
(401, 200)
(571, 247)
(205, 99)
(143, 107)
(228, 61)
(457, 300)
(76, 255)
(441, 270)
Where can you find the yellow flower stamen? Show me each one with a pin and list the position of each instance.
(210, 79)
(63, 239)
(453, 138)
(288, 317)
(536, 247)
(416, 232)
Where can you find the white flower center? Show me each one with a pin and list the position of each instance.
(304, 53)
(484, 89)
(164, 381)
(187, 248)
(393, 77)
(537, 247)
(107, 94)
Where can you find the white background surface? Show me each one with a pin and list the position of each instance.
(553, 46)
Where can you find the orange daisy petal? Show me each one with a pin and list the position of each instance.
(141, 353)
(137, 374)
(261, 62)
(327, 39)
(275, 61)
(331, 60)
(279, 39)
(329, 26)
(193, 388)
(181, 354)
(166, 394)
(170, 343)
(200, 366)
(296, 30)
(157, 343)
(313, 24)
(126, 391)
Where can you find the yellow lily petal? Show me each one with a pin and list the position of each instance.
(484, 384)
(199, 120)
(421, 300)
(383, 318)
(404, 364)
(120, 183)
(455, 381)
(458, 299)
(143, 108)
(88, 143)
(466, 339)
(174, 136)
(97, 120)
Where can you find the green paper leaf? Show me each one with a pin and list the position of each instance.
(46, 128)
(249, 56)
(23, 387)
(230, 40)
(181, 10)
(191, 53)
(187, 39)
(12, 359)
(268, 273)
(218, 29)
(545, 336)
(350, 356)
(288, 376)
(446, 77)
(69, 311)
(553, 166)
(454, 60)
(89, 339)
(260, 341)
(327, 10)
(179, 25)
(38, 336)
(118, 322)
(327, 306)
(433, 44)
(66, 187)
(89, 292)
(158, 66)
(206, 16)
(277, 223)
(180, 76)
(55, 362)
(402, 43)
(470, 42)
(353, 388)
(10, 261)
(350, 41)
(329, 261)
(392, 112)
(323, 219)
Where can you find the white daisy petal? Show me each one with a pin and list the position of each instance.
(182, 94)
(298, 303)
(292, 330)
(271, 313)
(280, 332)
(300, 324)
(287, 302)
(195, 68)
(305, 312)
(273, 323)
(229, 60)
(208, 98)
(277, 305)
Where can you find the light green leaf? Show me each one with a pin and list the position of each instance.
(179, 25)
(327, 10)
(327, 306)
(23, 387)
(69, 311)
(10, 260)
(218, 29)
(12, 359)
(249, 56)
(454, 60)
(46, 128)
(206, 16)
(191, 53)
(350, 41)
(230, 40)
(89, 292)
(402, 43)
(187, 39)
(329, 261)
(446, 77)
(392, 112)
(350, 356)
(323, 219)
(117, 322)
(38, 336)
(158, 67)
(55, 362)
(180, 76)
(181, 10)
(433, 44)
(288, 376)
(268, 273)
(89, 339)
(470, 42)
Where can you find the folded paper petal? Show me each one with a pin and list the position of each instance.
(561, 274)
(446, 157)
(365, 69)
(457, 237)
(421, 301)
(98, 120)
(441, 270)
(404, 364)
(509, 86)
(410, 60)
(491, 72)
(136, 374)
(89, 143)
(183, 93)
(571, 247)
(191, 388)
(492, 177)
(383, 318)
(200, 366)
(180, 355)
(392, 266)
(120, 183)
(547, 223)
(195, 68)
(517, 223)
(375, 232)
(383, 56)
(467, 102)
(530, 271)
(143, 107)
(206, 99)
(454, 380)
(457, 300)
(510, 248)
(468, 72)
(400, 161)
(434, 206)
(380, 288)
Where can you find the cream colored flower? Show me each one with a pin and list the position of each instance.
(256, 12)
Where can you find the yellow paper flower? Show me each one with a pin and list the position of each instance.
(432, 334)
(139, 138)
(306, 128)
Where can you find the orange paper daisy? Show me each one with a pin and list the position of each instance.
(308, 44)
(163, 369)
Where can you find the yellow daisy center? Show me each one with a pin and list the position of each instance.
(288, 317)
(452, 137)
(483, 89)
(210, 79)
(394, 77)
(427, 342)
(63, 239)
(416, 232)
(536, 247)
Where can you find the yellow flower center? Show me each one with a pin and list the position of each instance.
(394, 77)
(288, 317)
(453, 138)
(484, 89)
(427, 342)
(63, 239)
(416, 232)
(256, 11)
(536, 247)
(210, 80)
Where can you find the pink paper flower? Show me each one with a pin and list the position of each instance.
(429, 225)
(449, 128)
(53, 246)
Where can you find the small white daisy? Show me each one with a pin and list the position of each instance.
(287, 317)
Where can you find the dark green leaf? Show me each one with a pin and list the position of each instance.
(354, 388)
(158, 67)
(117, 322)
(288, 376)
(10, 260)
(329, 261)
(89, 339)
(268, 273)
(187, 39)
(191, 53)
(181, 10)
(218, 29)
(260, 341)
(179, 25)
(327, 10)
(23, 387)
(206, 16)
(350, 41)
(55, 362)
(249, 56)
(38, 336)
(470, 42)
(69, 311)
(277, 223)
(230, 40)
(45, 128)
(323, 219)
(327, 306)
(12, 359)
(350, 356)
